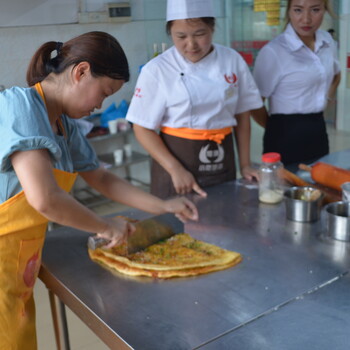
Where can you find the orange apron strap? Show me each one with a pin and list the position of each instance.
(216, 135)
(59, 123)
(40, 91)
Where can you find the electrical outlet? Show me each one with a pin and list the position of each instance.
(93, 17)
(98, 17)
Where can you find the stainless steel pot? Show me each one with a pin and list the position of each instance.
(303, 203)
(338, 220)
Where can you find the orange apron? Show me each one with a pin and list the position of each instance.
(22, 234)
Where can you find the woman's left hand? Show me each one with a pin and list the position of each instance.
(183, 208)
(249, 173)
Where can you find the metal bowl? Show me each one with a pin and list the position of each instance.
(338, 220)
(303, 203)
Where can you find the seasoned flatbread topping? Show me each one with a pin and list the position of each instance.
(180, 255)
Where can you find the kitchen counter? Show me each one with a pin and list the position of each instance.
(317, 320)
(291, 291)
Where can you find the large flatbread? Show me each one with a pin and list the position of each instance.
(178, 256)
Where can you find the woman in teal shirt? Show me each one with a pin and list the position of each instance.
(41, 150)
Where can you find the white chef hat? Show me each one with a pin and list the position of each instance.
(183, 9)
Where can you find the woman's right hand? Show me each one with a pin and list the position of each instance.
(184, 182)
(182, 208)
(117, 231)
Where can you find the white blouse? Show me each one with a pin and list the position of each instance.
(295, 79)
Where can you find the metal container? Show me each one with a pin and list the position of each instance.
(303, 203)
(338, 220)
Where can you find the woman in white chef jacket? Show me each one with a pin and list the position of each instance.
(298, 72)
(196, 92)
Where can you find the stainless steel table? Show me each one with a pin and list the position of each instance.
(314, 321)
(288, 269)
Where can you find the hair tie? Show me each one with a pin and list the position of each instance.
(58, 47)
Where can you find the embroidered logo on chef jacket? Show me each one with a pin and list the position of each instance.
(211, 157)
(232, 80)
(137, 92)
(229, 92)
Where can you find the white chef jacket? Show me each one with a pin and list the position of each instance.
(174, 92)
(295, 79)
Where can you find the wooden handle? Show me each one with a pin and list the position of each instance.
(293, 179)
(305, 167)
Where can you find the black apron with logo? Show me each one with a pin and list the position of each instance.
(209, 162)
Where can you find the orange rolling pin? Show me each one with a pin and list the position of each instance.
(327, 175)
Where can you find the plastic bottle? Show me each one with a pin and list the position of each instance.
(155, 50)
(270, 180)
(164, 47)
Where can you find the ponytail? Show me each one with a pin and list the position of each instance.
(101, 50)
(41, 64)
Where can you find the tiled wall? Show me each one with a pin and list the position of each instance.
(18, 44)
(236, 22)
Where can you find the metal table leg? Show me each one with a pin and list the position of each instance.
(59, 318)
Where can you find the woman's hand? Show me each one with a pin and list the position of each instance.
(184, 182)
(249, 173)
(117, 231)
(183, 208)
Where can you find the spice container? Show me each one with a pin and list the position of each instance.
(270, 179)
(338, 220)
(303, 203)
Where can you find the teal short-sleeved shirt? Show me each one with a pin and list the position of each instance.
(24, 126)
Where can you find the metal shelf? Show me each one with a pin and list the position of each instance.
(89, 196)
(117, 135)
(136, 157)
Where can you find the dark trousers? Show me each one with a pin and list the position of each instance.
(299, 138)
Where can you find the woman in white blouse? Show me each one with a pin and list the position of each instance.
(298, 72)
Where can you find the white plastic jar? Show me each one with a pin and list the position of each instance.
(270, 178)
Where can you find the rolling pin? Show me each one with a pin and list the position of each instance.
(327, 175)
